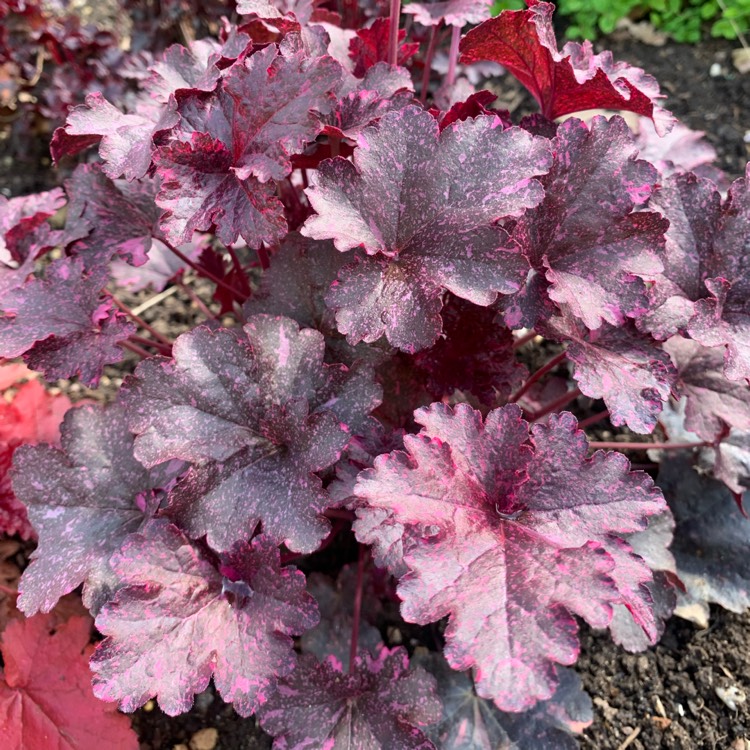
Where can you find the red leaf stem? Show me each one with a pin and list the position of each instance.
(450, 77)
(431, 47)
(357, 612)
(142, 353)
(557, 404)
(393, 32)
(646, 446)
(142, 323)
(523, 340)
(163, 348)
(593, 419)
(540, 373)
(200, 304)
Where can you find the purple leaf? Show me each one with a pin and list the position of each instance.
(187, 69)
(585, 238)
(627, 369)
(271, 9)
(176, 622)
(475, 355)
(571, 80)
(382, 704)
(83, 499)
(453, 12)
(107, 218)
(705, 287)
(61, 324)
(681, 150)
(258, 415)
(199, 189)
(526, 522)
(712, 400)
(712, 539)
(126, 140)
(473, 723)
(424, 204)
(384, 89)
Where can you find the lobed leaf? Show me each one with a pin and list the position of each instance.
(177, 621)
(423, 205)
(562, 81)
(528, 522)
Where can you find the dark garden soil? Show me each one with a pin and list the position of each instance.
(664, 698)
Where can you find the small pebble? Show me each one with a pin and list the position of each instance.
(715, 70)
(204, 739)
(180, 747)
(149, 706)
(732, 697)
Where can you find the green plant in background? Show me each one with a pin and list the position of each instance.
(684, 20)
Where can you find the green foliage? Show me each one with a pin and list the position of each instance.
(684, 20)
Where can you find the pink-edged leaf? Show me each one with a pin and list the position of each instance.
(473, 723)
(177, 621)
(681, 150)
(107, 218)
(705, 287)
(199, 189)
(585, 238)
(61, 324)
(161, 267)
(712, 400)
(370, 46)
(712, 537)
(382, 704)
(126, 141)
(258, 415)
(187, 69)
(657, 595)
(384, 89)
(523, 516)
(83, 499)
(475, 355)
(627, 369)
(424, 204)
(26, 212)
(46, 699)
(566, 81)
(453, 12)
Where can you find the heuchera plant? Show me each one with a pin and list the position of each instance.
(390, 255)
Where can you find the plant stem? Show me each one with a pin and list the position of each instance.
(565, 399)
(265, 262)
(163, 348)
(240, 273)
(346, 515)
(540, 373)
(523, 340)
(431, 47)
(141, 322)
(204, 272)
(393, 32)
(450, 77)
(199, 303)
(142, 353)
(647, 446)
(357, 613)
(593, 419)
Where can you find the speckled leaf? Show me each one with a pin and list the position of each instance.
(681, 150)
(380, 706)
(199, 189)
(562, 81)
(473, 723)
(46, 702)
(585, 237)
(705, 288)
(453, 12)
(108, 218)
(627, 369)
(712, 537)
(177, 621)
(186, 69)
(424, 203)
(525, 521)
(125, 140)
(83, 500)
(258, 415)
(61, 324)
(385, 88)
(712, 400)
